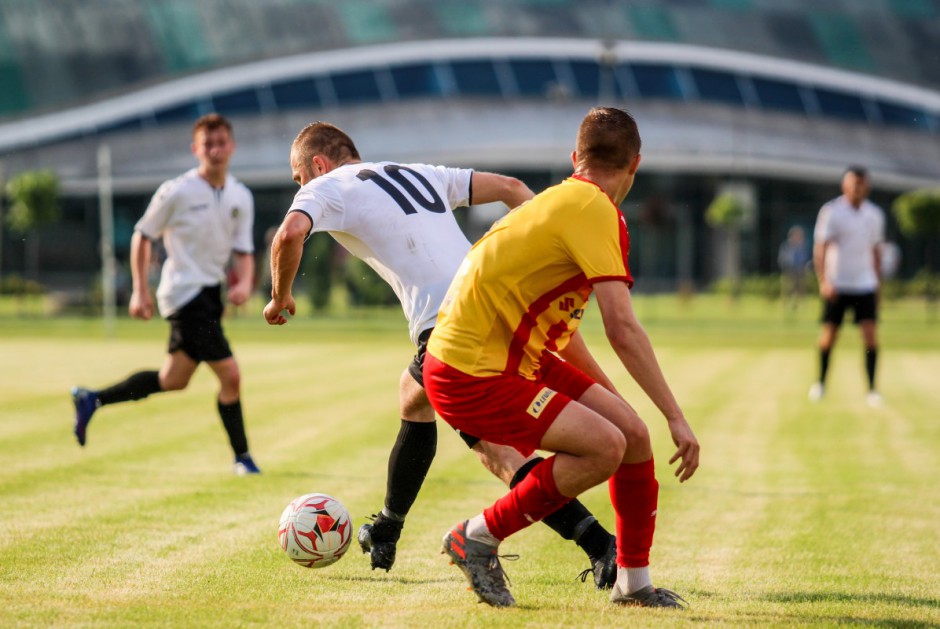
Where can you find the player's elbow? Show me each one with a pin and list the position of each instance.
(623, 334)
(290, 234)
(516, 192)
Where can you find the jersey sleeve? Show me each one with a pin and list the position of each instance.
(456, 183)
(879, 231)
(823, 230)
(158, 213)
(312, 201)
(244, 235)
(598, 242)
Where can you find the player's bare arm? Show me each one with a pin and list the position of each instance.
(490, 187)
(876, 260)
(826, 290)
(286, 251)
(631, 344)
(578, 354)
(141, 303)
(244, 274)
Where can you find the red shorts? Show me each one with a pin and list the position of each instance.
(504, 409)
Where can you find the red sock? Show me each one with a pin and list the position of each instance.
(634, 493)
(535, 497)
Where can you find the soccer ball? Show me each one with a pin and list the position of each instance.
(315, 530)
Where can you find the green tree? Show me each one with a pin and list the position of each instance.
(34, 202)
(318, 269)
(918, 216)
(364, 287)
(727, 212)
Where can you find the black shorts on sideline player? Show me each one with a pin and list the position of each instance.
(865, 306)
(196, 328)
(416, 369)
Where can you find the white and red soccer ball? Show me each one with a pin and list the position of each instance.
(315, 530)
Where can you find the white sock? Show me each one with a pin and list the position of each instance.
(631, 580)
(477, 531)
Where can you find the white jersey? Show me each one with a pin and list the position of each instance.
(200, 226)
(852, 234)
(398, 218)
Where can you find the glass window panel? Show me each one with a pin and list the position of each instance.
(840, 105)
(656, 81)
(414, 80)
(476, 77)
(297, 93)
(587, 77)
(534, 77)
(186, 111)
(356, 87)
(236, 102)
(717, 86)
(774, 94)
(903, 116)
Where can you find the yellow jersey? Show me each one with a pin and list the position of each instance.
(523, 287)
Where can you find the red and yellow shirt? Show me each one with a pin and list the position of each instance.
(523, 287)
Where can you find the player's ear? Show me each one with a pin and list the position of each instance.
(574, 159)
(635, 164)
(318, 165)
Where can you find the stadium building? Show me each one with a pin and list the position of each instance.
(769, 99)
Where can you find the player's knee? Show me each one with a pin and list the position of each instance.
(610, 453)
(173, 384)
(637, 434)
(417, 410)
(232, 380)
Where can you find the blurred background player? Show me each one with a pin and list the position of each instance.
(794, 259)
(205, 219)
(399, 218)
(848, 236)
(492, 370)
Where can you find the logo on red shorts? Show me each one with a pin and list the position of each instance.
(540, 401)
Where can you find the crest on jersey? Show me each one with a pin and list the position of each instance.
(235, 212)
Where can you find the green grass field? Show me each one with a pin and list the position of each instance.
(800, 514)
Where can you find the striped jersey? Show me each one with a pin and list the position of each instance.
(523, 287)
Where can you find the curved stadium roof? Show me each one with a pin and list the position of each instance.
(380, 70)
(55, 53)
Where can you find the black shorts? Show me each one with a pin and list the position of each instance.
(864, 305)
(416, 369)
(416, 366)
(196, 328)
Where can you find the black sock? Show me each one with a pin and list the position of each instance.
(135, 387)
(823, 364)
(871, 361)
(594, 538)
(408, 464)
(231, 415)
(572, 521)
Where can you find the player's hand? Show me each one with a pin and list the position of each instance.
(141, 305)
(274, 311)
(239, 294)
(687, 449)
(826, 290)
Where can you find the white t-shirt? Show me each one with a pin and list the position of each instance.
(852, 234)
(397, 218)
(200, 226)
